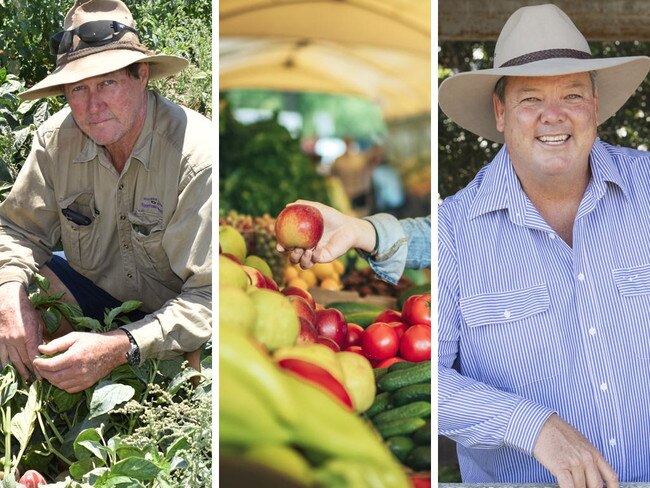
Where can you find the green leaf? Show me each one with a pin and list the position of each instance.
(95, 447)
(8, 384)
(63, 400)
(180, 379)
(22, 425)
(87, 323)
(80, 468)
(52, 319)
(138, 468)
(179, 444)
(80, 451)
(120, 482)
(42, 281)
(107, 396)
(125, 308)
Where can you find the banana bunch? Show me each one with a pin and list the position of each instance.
(264, 408)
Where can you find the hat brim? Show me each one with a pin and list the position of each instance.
(466, 98)
(160, 66)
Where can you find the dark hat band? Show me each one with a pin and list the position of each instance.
(90, 50)
(545, 54)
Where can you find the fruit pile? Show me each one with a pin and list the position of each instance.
(259, 237)
(322, 275)
(365, 282)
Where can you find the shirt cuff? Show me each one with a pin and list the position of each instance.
(524, 426)
(389, 258)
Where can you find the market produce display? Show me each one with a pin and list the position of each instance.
(299, 380)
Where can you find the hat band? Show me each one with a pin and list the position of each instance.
(546, 54)
(87, 51)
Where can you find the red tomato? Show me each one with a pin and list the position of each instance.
(415, 344)
(389, 315)
(379, 341)
(32, 479)
(356, 349)
(417, 309)
(420, 482)
(400, 328)
(354, 334)
(388, 362)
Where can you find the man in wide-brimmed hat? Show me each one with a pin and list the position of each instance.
(544, 268)
(122, 178)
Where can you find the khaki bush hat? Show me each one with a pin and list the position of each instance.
(538, 40)
(99, 38)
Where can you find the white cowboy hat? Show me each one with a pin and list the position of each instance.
(538, 40)
(99, 38)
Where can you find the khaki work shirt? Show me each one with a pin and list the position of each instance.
(150, 233)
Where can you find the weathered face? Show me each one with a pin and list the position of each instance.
(548, 123)
(109, 107)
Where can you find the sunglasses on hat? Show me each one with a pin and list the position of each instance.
(96, 33)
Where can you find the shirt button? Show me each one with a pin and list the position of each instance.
(120, 186)
(129, 275)
(126, 246)
(592, 331)
(612, 442)
(603, 386)
(507, 314)
(551, 235)
(581, 277)
(122, 217)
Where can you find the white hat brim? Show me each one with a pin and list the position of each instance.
(466, 98)
(160, 66)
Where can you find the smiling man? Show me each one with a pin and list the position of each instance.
(122, 180)
(544, 265)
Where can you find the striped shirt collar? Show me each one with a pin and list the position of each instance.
(499, 188)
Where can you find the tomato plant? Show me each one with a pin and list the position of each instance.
(417, 309)
(379, 341)
(415, 344)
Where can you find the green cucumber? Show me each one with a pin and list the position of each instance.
(399, 426)
(412, 393)
(379, 373)
(400, 446)
(394, 380)
(416, 409)
(380, 404)
(364, 319)
(422, 436)
(347, 308)
(419, 459)
(401, 365)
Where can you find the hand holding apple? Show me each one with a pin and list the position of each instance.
(340, 233)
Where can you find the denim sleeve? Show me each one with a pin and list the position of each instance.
(400, 244)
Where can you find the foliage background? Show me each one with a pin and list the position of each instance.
(461, 154)
(167, 26)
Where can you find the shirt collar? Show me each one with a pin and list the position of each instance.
(141, 150)
(500, 188)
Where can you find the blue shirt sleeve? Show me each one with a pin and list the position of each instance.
(401, 244)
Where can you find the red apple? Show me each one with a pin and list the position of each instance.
(303, 309)
(256, 278)
(389, 315)
(308, 333)
(294, 290)
(355, 332)
(331, 323)
(299, 226)
(231, 256)
(326, 341)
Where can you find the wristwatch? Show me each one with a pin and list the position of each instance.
(133, 354)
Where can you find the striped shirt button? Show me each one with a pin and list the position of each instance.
(551, 235)
(592, 331)
(507, 314)
(612, 442)
(581, 277)
(603, 386)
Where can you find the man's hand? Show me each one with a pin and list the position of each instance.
(340, 233)
(86, 358)
(21, 328)
(571, 458)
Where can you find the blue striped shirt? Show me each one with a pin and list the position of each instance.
(529, 326)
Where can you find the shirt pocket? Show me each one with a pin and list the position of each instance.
(633, 286)
(80, 242)
(509, 340)
(147, 232)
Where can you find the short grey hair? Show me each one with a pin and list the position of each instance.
(500, 87)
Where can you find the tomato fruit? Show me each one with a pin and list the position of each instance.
(389, 362)
(400, 328)
(356, 349)
(417, 309)
(32, 479)
(354, 334)
(389, 315)
(415, 344)
(379, 341)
